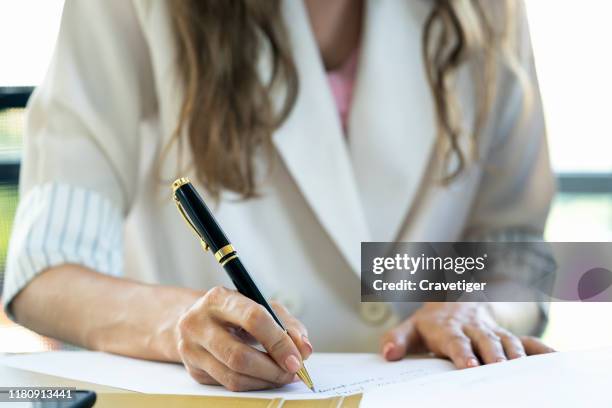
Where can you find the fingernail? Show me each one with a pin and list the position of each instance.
(387, 350)
(500, 360)
(472, 362)
(307, 343)
(292, 364)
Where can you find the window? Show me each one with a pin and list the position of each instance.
(25, 56)
(569, 38)
(35, 24)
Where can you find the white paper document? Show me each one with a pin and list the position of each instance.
(568, 379)
(332, 374)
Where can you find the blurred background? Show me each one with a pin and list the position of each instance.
(574, 62)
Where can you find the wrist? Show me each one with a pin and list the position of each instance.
(164, 341)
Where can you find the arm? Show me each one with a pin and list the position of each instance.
(511, 204)
(96, 311)
(79, 174)
(164, 323)
(517, 184)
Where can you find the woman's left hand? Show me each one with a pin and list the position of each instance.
(466, 333)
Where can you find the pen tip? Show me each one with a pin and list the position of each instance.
(312, 389)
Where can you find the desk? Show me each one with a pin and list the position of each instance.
(115, 397)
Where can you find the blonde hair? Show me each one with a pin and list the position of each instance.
(483, 34)
(228, 115)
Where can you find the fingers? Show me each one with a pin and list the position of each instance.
(206, 369)
(533, 346)
(213, 343)
(296, 330)
(448, 341)
(460, 332)
(200, 375)
(242, 358)
(397, 342)
(228, 306)
(487, 343)
(458, 347)
(512, 345)
(243, 335)
(499, 345)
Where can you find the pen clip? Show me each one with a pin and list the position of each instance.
(179, 206)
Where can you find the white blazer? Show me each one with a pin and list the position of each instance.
(110, 102)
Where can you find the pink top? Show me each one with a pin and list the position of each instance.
(341, 81)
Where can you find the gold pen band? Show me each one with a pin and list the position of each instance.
(226, 250)
(180, 182)
(228, 259)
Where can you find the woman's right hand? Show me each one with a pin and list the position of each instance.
(213, 342)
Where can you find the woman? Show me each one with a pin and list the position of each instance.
(313, 126)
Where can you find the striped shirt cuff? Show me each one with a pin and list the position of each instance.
(61, 224)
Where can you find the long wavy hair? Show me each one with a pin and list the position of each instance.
(228, 114)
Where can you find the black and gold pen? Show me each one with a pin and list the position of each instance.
(200, 219)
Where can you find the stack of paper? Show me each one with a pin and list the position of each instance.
(333, 374)
(569, 379)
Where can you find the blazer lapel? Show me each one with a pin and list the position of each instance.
(391, 123)
(314, 149)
